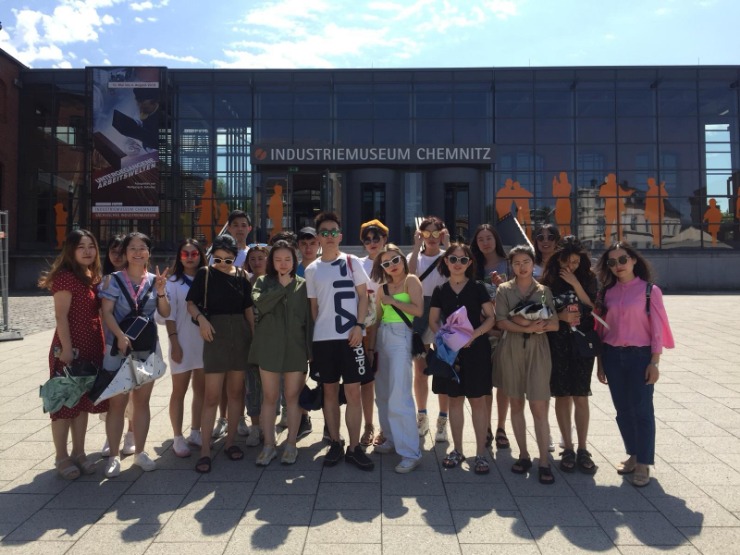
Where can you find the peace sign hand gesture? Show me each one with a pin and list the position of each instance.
(160, 280)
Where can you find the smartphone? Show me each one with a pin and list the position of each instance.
(136, 327)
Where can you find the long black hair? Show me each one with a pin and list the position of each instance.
(113, 243)
(480, 259)
(641, 269)
(179, 270)
(568, 246)
(553, 230)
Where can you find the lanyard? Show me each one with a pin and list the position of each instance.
(134, 295)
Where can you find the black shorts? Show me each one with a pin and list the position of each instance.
(334, 360)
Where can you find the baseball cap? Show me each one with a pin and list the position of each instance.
(306, 232)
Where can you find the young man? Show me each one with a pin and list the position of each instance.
(239, 228)
(308, 245)
(337, 291)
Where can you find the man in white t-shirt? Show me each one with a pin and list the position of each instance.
(336, 284)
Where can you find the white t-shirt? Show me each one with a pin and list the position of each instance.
(434, 278)
(333, 285)
(188, 334)
(367, 265)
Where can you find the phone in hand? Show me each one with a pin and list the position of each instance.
(136, 327)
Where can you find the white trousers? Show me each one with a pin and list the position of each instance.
(393, 382)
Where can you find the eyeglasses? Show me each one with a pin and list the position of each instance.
(461, 259)
(545, 237)
(622, 260)
(228, 261)
(375, 240)
(189, 254)
(428, 234)
(392, 262)
(330, 232)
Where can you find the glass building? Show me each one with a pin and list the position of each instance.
(646, 154)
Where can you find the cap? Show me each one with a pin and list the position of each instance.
(377, 224)
(306, 232)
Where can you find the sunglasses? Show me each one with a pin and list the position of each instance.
(545, 237)
(330, 232)
(228, 261)
(428, 234)
(461, 259)
(184, 255)
(622, 260)
(374, 240)
(392, 262)
(252, 245)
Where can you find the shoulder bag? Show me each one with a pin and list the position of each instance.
(144, 338)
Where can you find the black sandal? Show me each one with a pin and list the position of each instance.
(481, 465)
(502, 442)
(545, 476)
(489, 437)
(585, 462)
(234, 453)
(568, 460)
(203, 466)
(521, 466)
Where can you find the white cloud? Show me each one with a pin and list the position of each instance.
(63, 65)
(502, 9)
(138, 20)
(141, 6)
(154, 53)
(151, 19)
(106, 62)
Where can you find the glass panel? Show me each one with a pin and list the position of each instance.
(595, 130)
(433, 104)
(273, 131)
(353, 132)
(412, 204)
(472, 131)
(595, 160)
(306, 201)
(457, 210)
(554, 130)
(373, 201)
(636, 156)
(236, 105)
(312, 105)
(678, 156)
(357, 104)
(595, 103)
(514, 131)
(196, 105)
(273, 105)
(312, 131)
(676, 102)
(551, 104)
(470, 104)
(392, 104)
(555, 157)
(195, 151)
(433, 132)
(718, 102)
(636, 130)
(636, 102)
(514, 104)
(514, 158)
(392, 132)
(678, 130)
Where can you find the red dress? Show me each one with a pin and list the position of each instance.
(86, 331)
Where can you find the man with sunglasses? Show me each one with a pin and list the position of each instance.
(336, 284)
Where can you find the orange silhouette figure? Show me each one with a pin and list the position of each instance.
(275, 210)
(561, 190)
(207, 205)
(60, 223)
(614, 206)
(503, 199)
(655, 208)
(223, 214)
(521, 198)
(713, 216)
(737, 208)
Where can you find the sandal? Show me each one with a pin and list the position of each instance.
(521, 466)
(502, 442)
(641, 479)
(85, 465)
(545, 476)
(452, 459)
(67, 469)
(379, 439)
(489, 437)
(367, 438)
(567, 460)
(203, 466)
(481, 465)
(234, 453)
(626, 467)
(585, 462)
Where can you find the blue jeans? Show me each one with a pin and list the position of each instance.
(625, 371)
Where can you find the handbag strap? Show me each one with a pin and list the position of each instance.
(132, 304)
(400, 312)
(205, 294)
(428, 271)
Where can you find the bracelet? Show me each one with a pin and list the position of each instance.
(161, 296)
(173, 333)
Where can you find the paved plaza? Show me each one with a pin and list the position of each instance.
(691, 506)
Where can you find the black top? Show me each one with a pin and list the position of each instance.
(227, 294)
(473, 295)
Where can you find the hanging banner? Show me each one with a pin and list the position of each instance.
(127, 105)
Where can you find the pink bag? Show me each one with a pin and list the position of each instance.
(457, 330)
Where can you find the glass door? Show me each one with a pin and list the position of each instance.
(457, 210)
(306, 189)
(373, 201)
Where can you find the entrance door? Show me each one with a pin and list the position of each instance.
(373, 202)
(306, 190)
(457, 210)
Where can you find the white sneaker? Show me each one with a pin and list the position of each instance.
(255, 437)
(113, 468)
(220, 428)
(105, 451)
(129, 444)
(181, 447)
(551, 447)
(195, 438)
(441, 435)
(385, 448)
(143, 461)
(422, 422)
(283, 423)
(407, 465)
(242, 428)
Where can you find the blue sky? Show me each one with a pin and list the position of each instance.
(342, 34)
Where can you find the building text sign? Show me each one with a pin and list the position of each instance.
(375, 155)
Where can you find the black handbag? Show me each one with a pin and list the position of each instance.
(146, 340)
(418, 348)
(588, 344)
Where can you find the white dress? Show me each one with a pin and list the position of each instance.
(188, 334)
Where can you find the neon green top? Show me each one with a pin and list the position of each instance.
(390, 316)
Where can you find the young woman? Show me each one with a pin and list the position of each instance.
(492, 268)
(429, 242)
(474, 359)
(374, 236)
(545, 242)
(524, 358)
(186, 347)
(281, 346)
(637, 334)
(399, 291)
(227, 332)
(73, 279)
(568, 275)
(136, 286)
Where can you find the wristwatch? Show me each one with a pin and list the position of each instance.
(656, 364)
(362, 326)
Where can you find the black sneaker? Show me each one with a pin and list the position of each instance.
(334, 455)
(305, 426)
(359, 459)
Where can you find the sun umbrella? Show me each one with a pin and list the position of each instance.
(64, 391)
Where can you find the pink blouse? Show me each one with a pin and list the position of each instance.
(629, 323)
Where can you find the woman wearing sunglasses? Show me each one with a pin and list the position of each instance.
(474, 358)
(636, 335)
(399, 291)
(545, 242)
(186, 347)
(226, 293)
(429, 243)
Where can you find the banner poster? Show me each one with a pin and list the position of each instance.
(127, 105)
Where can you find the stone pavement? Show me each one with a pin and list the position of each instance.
(692, 505)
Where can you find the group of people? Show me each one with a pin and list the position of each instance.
(247, 323)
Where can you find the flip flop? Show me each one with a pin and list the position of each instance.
(234, 453)
(545, 476)
(203, 466)
(521, 466)
(502, 442)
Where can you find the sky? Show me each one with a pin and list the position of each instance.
(376, 34)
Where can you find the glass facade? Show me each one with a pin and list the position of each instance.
(649, 155)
